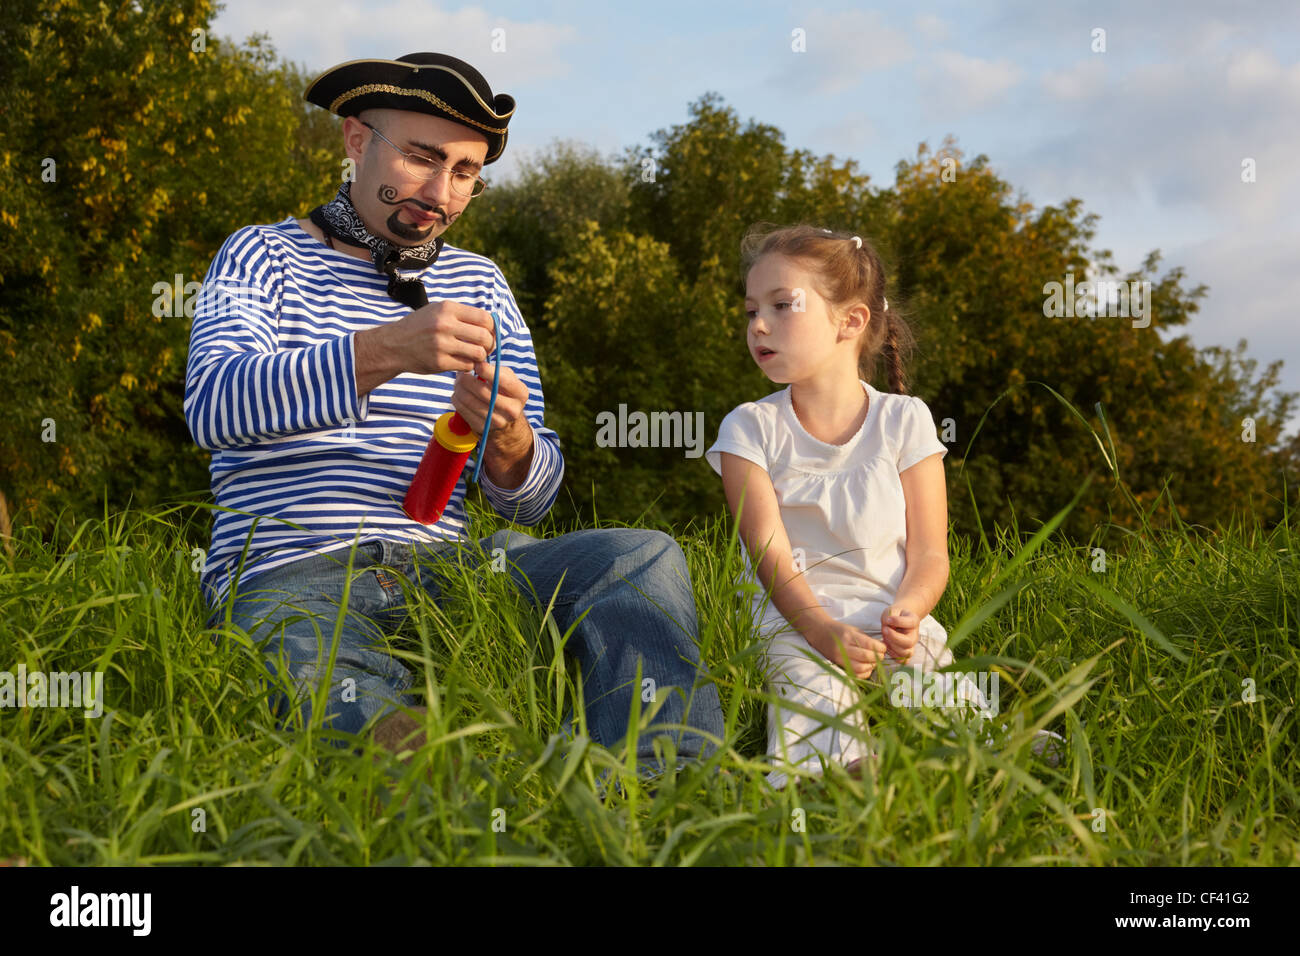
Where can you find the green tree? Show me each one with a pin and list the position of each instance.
(701, 185)
(624, 328)
(133, 145)
(527, 223)
(974, 265)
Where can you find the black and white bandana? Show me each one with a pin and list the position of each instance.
(339, 218)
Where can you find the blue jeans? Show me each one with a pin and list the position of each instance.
(633, 585)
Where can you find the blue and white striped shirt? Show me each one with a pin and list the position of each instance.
(270, 389)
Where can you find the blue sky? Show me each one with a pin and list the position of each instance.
(1150, 134)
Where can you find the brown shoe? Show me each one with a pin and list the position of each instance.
(858, 769)
(400, 731)
(403, 735)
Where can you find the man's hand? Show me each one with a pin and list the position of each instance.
(444, 336)
(474, 391)
(438, 337)
(509, 453)
(900, 630)
(854, 650)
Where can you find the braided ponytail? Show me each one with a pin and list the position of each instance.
(893, 361)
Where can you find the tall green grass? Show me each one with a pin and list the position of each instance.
(1141, 667)
(1171, 670)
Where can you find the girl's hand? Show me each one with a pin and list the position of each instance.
(854, 650)
(900, 630)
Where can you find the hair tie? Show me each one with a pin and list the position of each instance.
(886, 309)
(857, 241)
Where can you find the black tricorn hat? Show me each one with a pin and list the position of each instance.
(431, 83)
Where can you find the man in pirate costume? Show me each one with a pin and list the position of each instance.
(322, 352)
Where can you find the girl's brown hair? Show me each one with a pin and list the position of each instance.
(844, 275)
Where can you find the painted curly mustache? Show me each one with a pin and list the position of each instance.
(390, 196)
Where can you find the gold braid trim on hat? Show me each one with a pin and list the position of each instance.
(402, 91)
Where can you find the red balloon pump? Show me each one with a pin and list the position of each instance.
(440, 468)
(445, 456)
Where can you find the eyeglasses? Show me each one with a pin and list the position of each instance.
(466, 185)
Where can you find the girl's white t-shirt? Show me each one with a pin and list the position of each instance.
(843, 505)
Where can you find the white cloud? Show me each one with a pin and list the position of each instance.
(1258, 71)
(851, 133)
(935, 29)
(387, 29)
(1181, 134)
(842, 48)
(953, 82)
(1081, 81)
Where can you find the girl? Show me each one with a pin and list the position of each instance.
(838, 490)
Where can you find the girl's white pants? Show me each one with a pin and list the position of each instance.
(837, 730)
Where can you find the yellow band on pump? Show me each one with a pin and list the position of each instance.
(448, 439)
